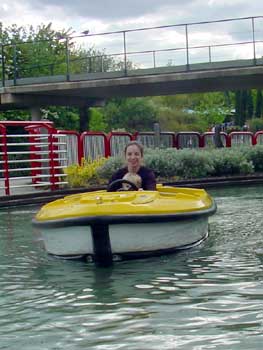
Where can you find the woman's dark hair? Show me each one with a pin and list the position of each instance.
(134, 143)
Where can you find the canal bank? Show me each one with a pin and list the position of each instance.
(36, 196)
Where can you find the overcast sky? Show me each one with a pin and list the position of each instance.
(107, 15)
(99, 16)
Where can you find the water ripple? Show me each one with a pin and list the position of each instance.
(209, 297)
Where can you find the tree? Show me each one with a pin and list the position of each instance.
(29, 53)
(244, 106)
(42, 52)
(237, 107)
(63, 117)
(212, 109)
(97, 122)
(250, 105)
(131, 114)
(198, 111)
(241, 107)
(14, 115)
(259, 104)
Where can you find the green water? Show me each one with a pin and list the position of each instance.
(209, 297)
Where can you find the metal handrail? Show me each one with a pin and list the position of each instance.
(125, 53)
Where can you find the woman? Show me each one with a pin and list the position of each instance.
(133, 153)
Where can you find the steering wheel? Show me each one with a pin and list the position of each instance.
(116, 185)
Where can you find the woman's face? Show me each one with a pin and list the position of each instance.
(133, 158)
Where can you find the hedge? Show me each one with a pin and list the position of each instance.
(195, 163)
(171, 164)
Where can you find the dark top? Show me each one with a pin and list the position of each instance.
(146, 174)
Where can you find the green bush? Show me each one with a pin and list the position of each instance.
(256, 124)
(193, 164)
(255, 155)
(198, 163)
(228, 161)
(169, 164)
(162, 161)
(108, 168)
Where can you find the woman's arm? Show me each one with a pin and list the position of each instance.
(148, 179)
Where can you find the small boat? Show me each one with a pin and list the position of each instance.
(104, 226)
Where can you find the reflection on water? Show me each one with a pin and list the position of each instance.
(209, 297)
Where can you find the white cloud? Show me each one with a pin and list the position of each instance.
(23, 14)
(225, 3)
(104, 16)
(4, 7)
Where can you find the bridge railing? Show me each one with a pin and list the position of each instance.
(154, 50)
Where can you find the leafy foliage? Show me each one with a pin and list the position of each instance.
(229, 162)
(255, 155)
(171, 164)
(84, 174)
(109, 167)
(132, 114)
(14, 115)
(63, 117)
(212, 109)
(259, 104)
(97, 120)
(193, 112)
(163, 162)
(256, 124)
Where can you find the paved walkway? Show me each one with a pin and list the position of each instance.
(23, 193)
(18, 187)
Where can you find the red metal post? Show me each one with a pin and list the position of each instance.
(5, 160)
(33, 130)
(256, 135)
(52, 155)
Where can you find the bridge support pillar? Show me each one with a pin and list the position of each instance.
(84, 118)
(35, 113)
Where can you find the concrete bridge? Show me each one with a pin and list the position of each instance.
(93, 88)
(82, 91)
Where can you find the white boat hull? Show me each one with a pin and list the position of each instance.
(127, 240)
